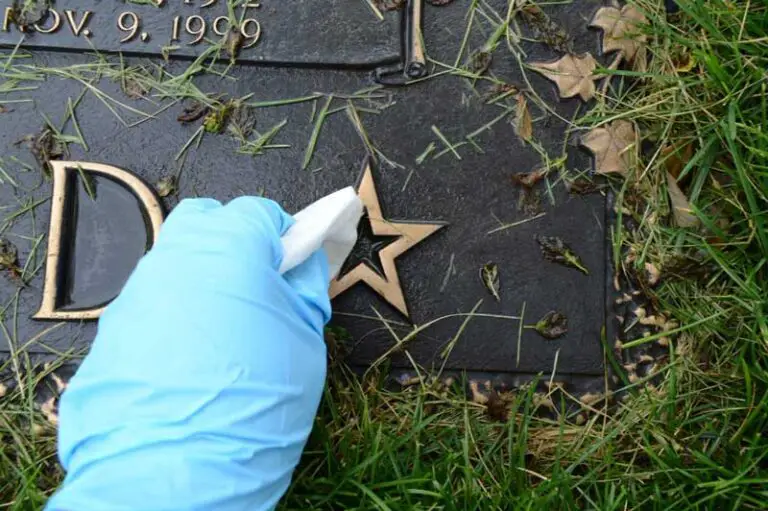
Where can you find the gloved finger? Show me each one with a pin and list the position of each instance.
(185, 217)
(247, 229)
(194, 205)
(260, 220)
(261, 211)
(310, 281)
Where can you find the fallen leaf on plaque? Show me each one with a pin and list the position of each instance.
(552, 326)
(529, 179)
(554, 249)
(545, 29)
(523, 121)
(681, 208)
(573, 75)
(9, 255)
(614, 147)
(134, 89)
(193, 112)
(166, 186)
(623, 32)
(489, 274)
(234, 43)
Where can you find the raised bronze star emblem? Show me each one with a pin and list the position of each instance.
(401, 236)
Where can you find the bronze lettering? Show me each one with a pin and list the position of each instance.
(132, 29)
(175, 31)
(7, 19)
(60, 169)
(76, 27)
(217, 29)
(199, 33)
(130, 24)
(254, 34)
(54, 26)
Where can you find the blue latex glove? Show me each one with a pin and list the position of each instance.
(203, 382)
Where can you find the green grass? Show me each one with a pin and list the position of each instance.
(694, 439)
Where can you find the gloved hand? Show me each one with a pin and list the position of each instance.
(203, 381)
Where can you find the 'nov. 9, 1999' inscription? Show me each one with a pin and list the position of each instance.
(326, 33)
(181, 29)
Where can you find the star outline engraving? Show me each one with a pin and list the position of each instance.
(408, 233)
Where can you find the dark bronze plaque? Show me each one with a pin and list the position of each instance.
(439, 155)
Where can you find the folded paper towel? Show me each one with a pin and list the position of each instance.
(330, 223)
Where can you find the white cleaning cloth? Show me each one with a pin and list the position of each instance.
(330, 223)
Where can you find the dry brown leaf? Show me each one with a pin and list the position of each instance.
(681, 208)
(523, 120)
(529, 179)
(574, 76)
(622, 31)
(614, 147)
(676, 157)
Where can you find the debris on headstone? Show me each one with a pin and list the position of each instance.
(9, 258)
(166, 186)
(554, 249)
(45, 147)
(479, 62)
(523, 121)
(217, 120)
(553, 325)
(545, 29)
(26, 13)
(193, 112)
(489, 274)
(529, 179)
(234, 43)
(573, 75)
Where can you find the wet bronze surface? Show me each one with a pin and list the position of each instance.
(463, 189)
